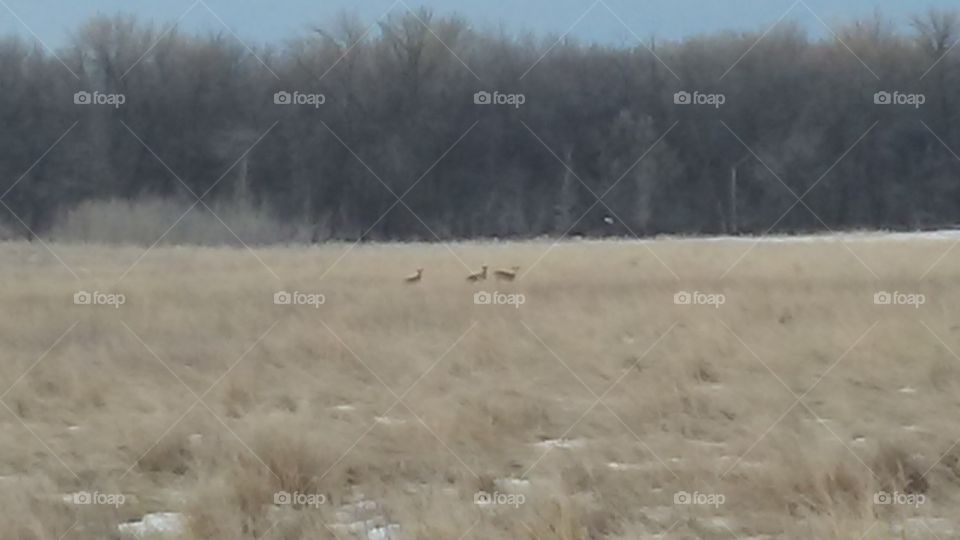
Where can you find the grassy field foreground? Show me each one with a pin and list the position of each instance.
(782, 401)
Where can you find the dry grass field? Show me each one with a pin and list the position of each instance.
(599, 408)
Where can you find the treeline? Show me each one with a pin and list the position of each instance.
(394, 111)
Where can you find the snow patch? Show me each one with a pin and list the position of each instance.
(627, 466)
(370, 529)
(160, 523)
(512, 483)
(863, 236)
(352, 511)
(561, 443)
(389, 532)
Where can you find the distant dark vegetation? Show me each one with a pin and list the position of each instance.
(400, 101)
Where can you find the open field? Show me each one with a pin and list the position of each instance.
(598, 408)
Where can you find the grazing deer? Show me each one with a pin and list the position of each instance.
(478, 276)
(415, 277)
(507, 275)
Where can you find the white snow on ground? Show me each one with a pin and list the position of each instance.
(627, 466)
(858, 236)
(364, 518)
(357, 518)
(727, 461)
(389, 532)
(514, 484)
(707, 444)
(348, 512)
(370, 529)
(865, 236)
(171, 524)
(561, 443)
(344, 407)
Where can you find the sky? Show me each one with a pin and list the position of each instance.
(607, 21)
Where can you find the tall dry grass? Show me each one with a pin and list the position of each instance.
(174, 221)
(684, 398)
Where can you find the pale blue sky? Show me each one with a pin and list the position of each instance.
(274, 20)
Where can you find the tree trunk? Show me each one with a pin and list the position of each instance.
(733, 200)
(563, 211)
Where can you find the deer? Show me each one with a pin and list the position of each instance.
(478, 276)
(414, 278)
(507, 275)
